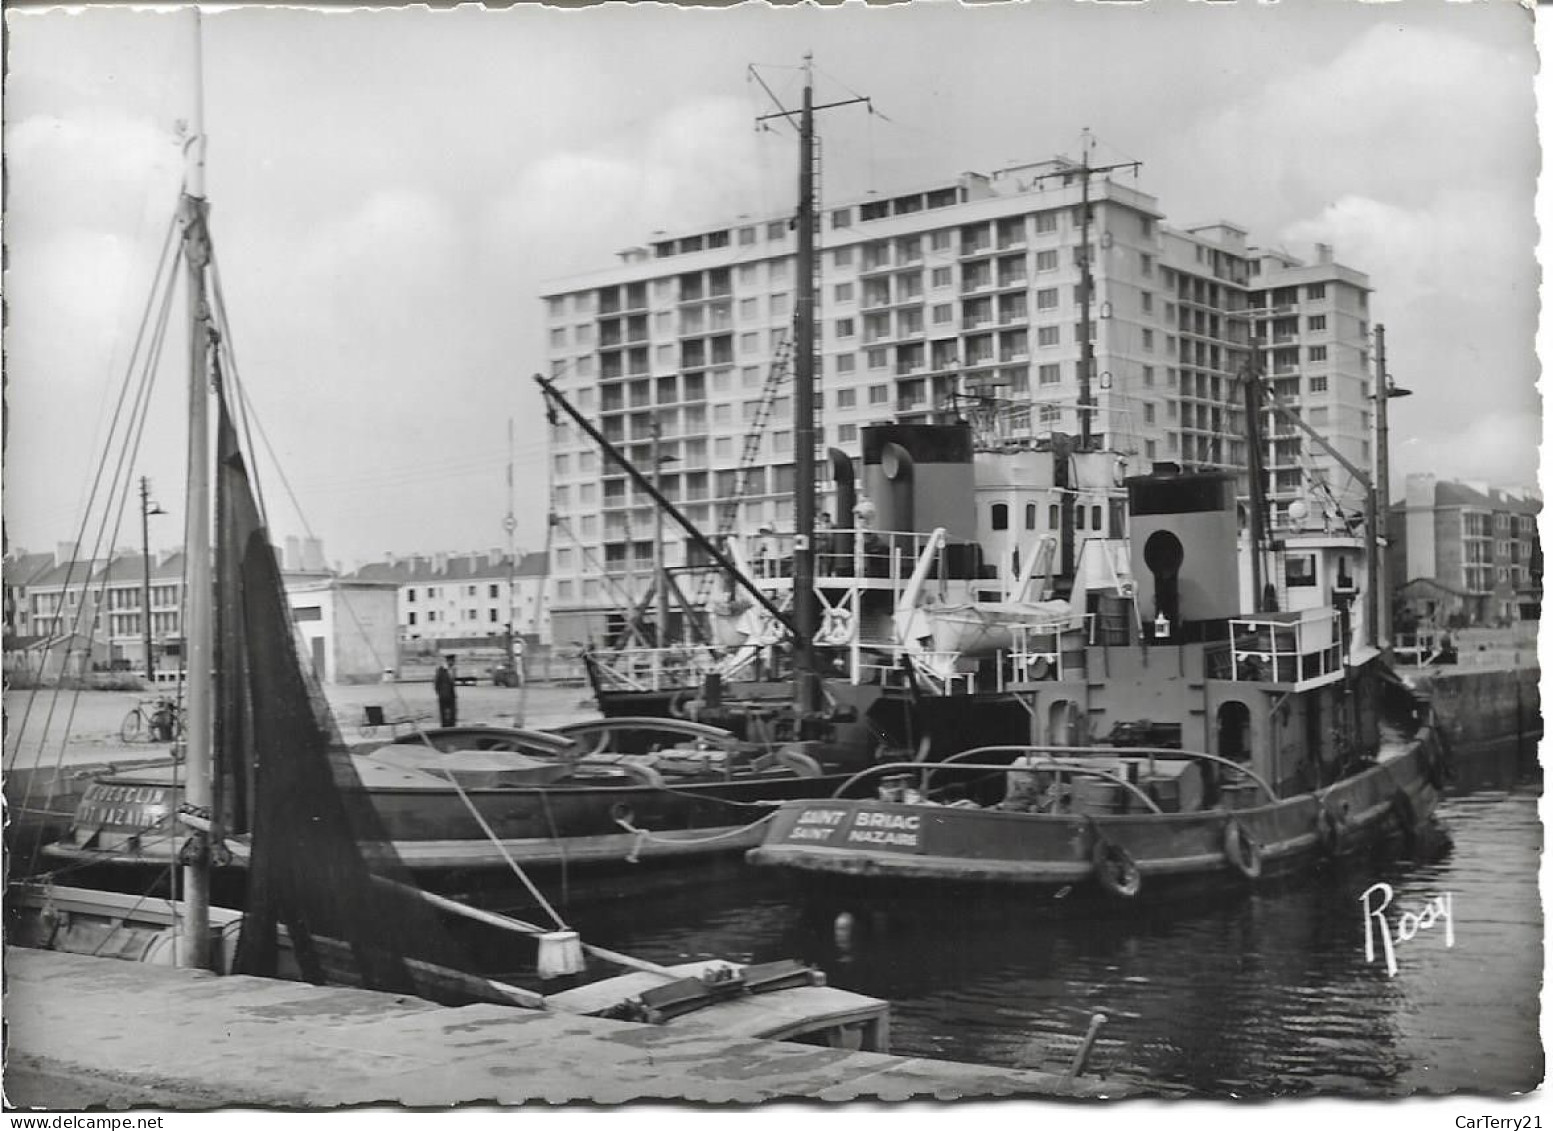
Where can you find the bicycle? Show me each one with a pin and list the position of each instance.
(154, 720)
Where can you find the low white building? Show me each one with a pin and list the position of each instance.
(347, 627)
(448, 597)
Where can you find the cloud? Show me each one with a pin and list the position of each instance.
(1357, 123)
(92, 169)
(696, 165)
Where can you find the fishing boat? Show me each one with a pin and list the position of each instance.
(464, 801)
(1208, 743)
(268, 779)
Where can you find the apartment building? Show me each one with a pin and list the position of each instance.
(960, 292)
(1313, 331)
(1466, 552)
(465, 596)
(70, 616)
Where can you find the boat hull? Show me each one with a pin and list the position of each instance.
(125, 821)
(896, 848)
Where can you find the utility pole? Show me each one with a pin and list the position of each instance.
(510, 525)
(147, 509)
(659, 582)
(806, 683)
(1380, 578)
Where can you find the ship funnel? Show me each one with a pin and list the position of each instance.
(846, 497)
(1185, 552)
(921, 477)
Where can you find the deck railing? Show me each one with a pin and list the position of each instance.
(1286, 647)
(654, 669)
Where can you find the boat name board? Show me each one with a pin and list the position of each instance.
(878, 829)
(126, 806)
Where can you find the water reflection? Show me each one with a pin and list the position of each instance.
(1267, 995)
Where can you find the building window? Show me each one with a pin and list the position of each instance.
(1148, 302)
(843, 292)
(841, 218)
(1318, 384)
(1315, 291)
(1048, 335)
(1319, 322)
(845, 363)
(1031, 512)
(1148, 339)
(1000, 516)
(1148, 414)
(843, 257)
(1050, 374)
(878, 358)
(1046, 221)
(776, 230)
(1046, 299)
(844, 328)
(942, 277)
(943, 314)
(1148, 376)
(846, 434)
(939, 241)
(1146, 263)
(1318, 353)
(1046, 260)
(878, 394)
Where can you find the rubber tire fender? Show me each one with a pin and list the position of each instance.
(1243, 854)
(1407, 819)
(1115, 870)
(1331, 827)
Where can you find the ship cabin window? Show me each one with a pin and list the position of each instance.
(1095, 521)
(1000, 516)
(1078, 518)
(1053, 516)
(1235, 731)
(1300, 571)
(1031, 513)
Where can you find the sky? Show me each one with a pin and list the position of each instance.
(392, 190)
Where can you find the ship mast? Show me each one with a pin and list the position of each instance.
(1086, 292)
(199, 633)
(806, 681)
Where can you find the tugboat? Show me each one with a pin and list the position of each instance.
(1202, 740)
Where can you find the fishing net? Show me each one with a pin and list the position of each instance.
(326, 890)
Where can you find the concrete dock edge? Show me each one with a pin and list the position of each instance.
(87, 1031)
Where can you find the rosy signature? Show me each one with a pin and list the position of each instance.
(1407, 925)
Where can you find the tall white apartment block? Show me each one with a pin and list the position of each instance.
(1314, 330)
(927, 301)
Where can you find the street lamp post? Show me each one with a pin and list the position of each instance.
(1380, 579)
(147, 509)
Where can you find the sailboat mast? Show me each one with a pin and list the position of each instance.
(199, 634)
(806, 681)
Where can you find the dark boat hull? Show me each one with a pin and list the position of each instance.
(436, 829)
(1071, 859)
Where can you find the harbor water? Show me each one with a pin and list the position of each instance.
(1269, 994)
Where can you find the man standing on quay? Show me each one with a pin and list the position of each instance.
(447, 692)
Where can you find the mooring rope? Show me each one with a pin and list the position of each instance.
(507, 856)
